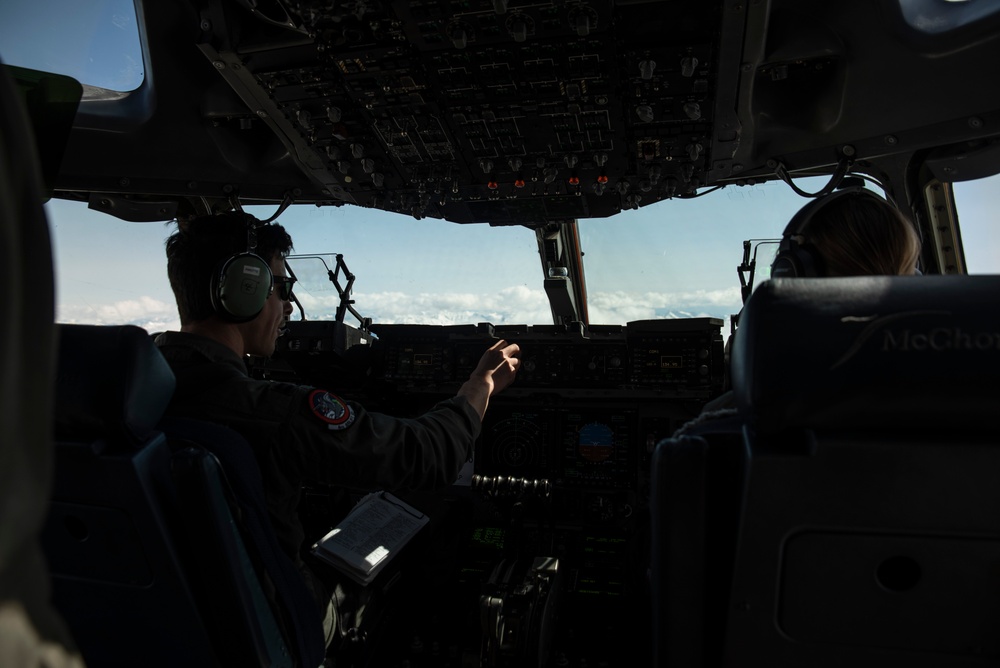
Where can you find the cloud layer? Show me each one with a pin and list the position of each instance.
(151, 314)
(511, 305)
(522, 305)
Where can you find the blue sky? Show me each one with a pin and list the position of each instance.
(98, 46)
(675, 258)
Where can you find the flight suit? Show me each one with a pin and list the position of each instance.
(300, 433)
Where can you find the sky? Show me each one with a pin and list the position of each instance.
(672, 259)
(98, 45)
(409, 271)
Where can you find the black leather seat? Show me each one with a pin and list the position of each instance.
(848, 514)
(159, 555)
(28, 623)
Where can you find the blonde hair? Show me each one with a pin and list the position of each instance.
(863, 236)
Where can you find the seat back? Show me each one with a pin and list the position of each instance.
(151, 565)
(696, 485)
(873, 353)
(27, 360)
(117, 575)
(230, 458)
(863, 529)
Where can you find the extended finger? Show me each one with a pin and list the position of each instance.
(512, 350)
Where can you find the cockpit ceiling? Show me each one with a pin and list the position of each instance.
(512, 112)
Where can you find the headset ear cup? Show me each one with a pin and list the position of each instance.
(800, 260)
(810, 264)
(783, 267)
(797, 261)
(241, 287)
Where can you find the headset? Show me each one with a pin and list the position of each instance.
(241, 284)
(795, 257)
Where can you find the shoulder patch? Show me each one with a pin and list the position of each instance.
(331, 409)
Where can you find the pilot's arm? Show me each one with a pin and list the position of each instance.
(495, 371)
(329, 439)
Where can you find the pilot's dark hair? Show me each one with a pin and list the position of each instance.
(853, 232)
(200, 246)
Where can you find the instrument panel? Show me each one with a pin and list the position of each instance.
(553, 519)
(681, 357)
(569, 447)
(586, 408)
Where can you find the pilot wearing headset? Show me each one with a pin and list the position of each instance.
(850, 232)
(228, 275)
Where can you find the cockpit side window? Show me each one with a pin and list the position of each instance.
(95, 42)
(980, 224)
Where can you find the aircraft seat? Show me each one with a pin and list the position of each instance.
(872, 352)
(847, 514)
(29, 624)
(155, 550)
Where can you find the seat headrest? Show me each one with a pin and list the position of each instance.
(879, 351)
(112, 383)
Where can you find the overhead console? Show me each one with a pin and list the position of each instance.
(481, 111)
(507, 112)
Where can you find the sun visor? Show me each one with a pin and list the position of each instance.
(51, 101)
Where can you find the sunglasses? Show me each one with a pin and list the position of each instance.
(283, 286)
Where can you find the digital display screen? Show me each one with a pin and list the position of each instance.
(596, 442)
(671, 362)
(515, 443)
(492, 537)
(662, 361)
(418, 360)
(596, 448)
(654, 360)
(569, 446)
